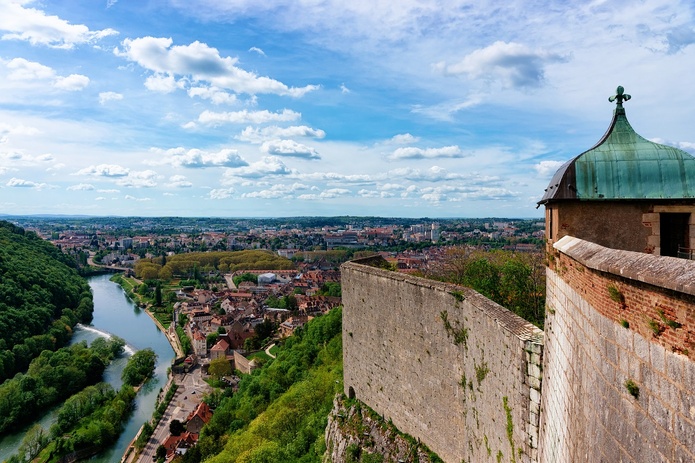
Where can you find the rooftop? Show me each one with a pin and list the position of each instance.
(624, 165)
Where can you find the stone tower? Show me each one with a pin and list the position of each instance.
(625, 193)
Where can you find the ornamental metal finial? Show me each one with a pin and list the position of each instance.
(620, 96)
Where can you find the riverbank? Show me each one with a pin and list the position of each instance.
(132, 453)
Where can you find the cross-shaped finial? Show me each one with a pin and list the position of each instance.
(620, 96)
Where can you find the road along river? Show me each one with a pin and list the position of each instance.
(115, 314)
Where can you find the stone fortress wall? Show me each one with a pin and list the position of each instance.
(476, 383)
(615, 316)
(445, 364)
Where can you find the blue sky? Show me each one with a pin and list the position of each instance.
(248, 108)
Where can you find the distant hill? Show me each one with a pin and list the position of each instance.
(41, 298)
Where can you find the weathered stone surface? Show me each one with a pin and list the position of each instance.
(445, 383)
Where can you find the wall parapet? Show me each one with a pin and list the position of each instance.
(666, 272)
(444, 363)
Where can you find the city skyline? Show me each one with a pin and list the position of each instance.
(280, 108)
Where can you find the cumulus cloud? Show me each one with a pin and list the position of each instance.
(71, 83)
(81, 187)
(111, 190)
(269, 165)
(246, 117)
(105, 97)
(21, 183)
(221, 193)
(104, 170)
(327, 194)
(273, 132)
(179, 181)
(214, 94)
(139, 179)
(162, 83)
(202, 64)
(402, 139)
(509, 63)
(16, 158)
(28, 71)
(38, 28)
(196, 159)
(546, 169)
(289, 148)
(428, 153)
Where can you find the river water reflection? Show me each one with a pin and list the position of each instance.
(115, 314)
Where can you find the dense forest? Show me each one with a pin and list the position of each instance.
(280, 411)
(53, 377)
(41, 298)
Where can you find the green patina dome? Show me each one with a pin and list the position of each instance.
(623, 165)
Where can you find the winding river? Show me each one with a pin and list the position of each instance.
(115, 314)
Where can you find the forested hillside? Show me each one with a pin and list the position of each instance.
(280, 412)
(41, 298)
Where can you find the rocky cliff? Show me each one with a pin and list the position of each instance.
(357, 434)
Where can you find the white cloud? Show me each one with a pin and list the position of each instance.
(202, 63)
(546, 169)
(428, 153)
(214, 94)
(105, 97)
(257, 50)
(269, 165)
(289, 148)
(104, 170)
(111, 190)
(139, 179)
(273, 132)
(511, 64)
(21, 183)
(433, 174)
(221, 193)
(402, 139)
(162, 83)
(344, 89)
(99, 198)
(245, 117)
(195, 158)
(277, 191)
(34, 26)
(71, 83)
(81, 187)
(179, 181)
(327, 194)
(30, 71)
(133, 198)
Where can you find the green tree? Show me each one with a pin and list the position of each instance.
(139, 368)
(176, 428)
(158, 295)
(219, 367)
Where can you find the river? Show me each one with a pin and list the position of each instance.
(115, 314)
